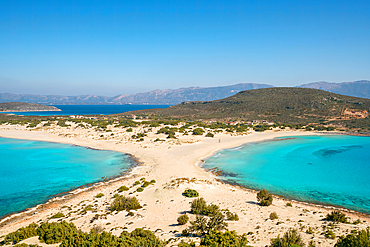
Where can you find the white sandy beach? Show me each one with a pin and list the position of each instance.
(167, 162)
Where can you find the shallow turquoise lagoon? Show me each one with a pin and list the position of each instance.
(331, 170)
(32, 171)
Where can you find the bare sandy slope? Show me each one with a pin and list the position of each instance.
(173, 164)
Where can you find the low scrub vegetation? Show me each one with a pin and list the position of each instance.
(337, 216)
(124, 203)
(183, 219)
(123, 188)
(290, 238)
(198, 131)
(232, 216)
(67, 235)
(264, 198)
(273, 216)
(203, 225)
(356, 238)
(21, 234)
(100, 195)
(57, 216)
(190, 193)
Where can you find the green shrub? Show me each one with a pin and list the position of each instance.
(87, 208)
(356, 222)
(337, 216)
(152, 181)
(123, 188)
(162, 131)
(137, 183)
(203, 225)
(67, 235)
(329, 234)
(56, 216)
(212, 209)
(209, 134)
(198, 131)
(124, 203)
(146, 184)
(184, 244)
(356, 238)
(129, 130)
(21, 234)
(190, 193)
(273, 216)
(171, 135)
(199, 206)
(139, 238)
(309, 230)
(228, 238)
(183, 219)
(100, 195)
(140, 189)
(52, 233)
(289, 204)
(264, 198)
(154, 124)
(232, 216)
(185, 232)
(290, 238)
(26, 245)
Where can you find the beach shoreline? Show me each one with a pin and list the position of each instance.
(166, 162)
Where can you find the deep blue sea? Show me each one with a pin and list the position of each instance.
(332, 170)
(90, 110)
(32, 171)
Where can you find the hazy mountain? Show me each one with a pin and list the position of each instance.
(21, 106)
(170, 96)
(175, 96)
(53, 99)
(279, 104)
(356, 88)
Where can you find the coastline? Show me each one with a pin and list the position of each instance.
(74, 191)
(224, 176)
(165, 163)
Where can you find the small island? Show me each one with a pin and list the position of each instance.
(24, 107)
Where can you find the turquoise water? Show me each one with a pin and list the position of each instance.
(32, 171)
(89, 110)
(331, 170)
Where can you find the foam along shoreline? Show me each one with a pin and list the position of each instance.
(173, 165)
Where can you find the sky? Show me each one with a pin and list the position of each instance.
(124, 47)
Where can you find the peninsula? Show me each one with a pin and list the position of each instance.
(25, 107)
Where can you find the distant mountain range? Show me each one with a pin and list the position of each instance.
(357, 88)
(156, 97)
(176, 96)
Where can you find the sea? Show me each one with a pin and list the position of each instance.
(325, 169)
(89, 110)
(32, 172)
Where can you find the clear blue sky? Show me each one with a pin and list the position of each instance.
(115, 47)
